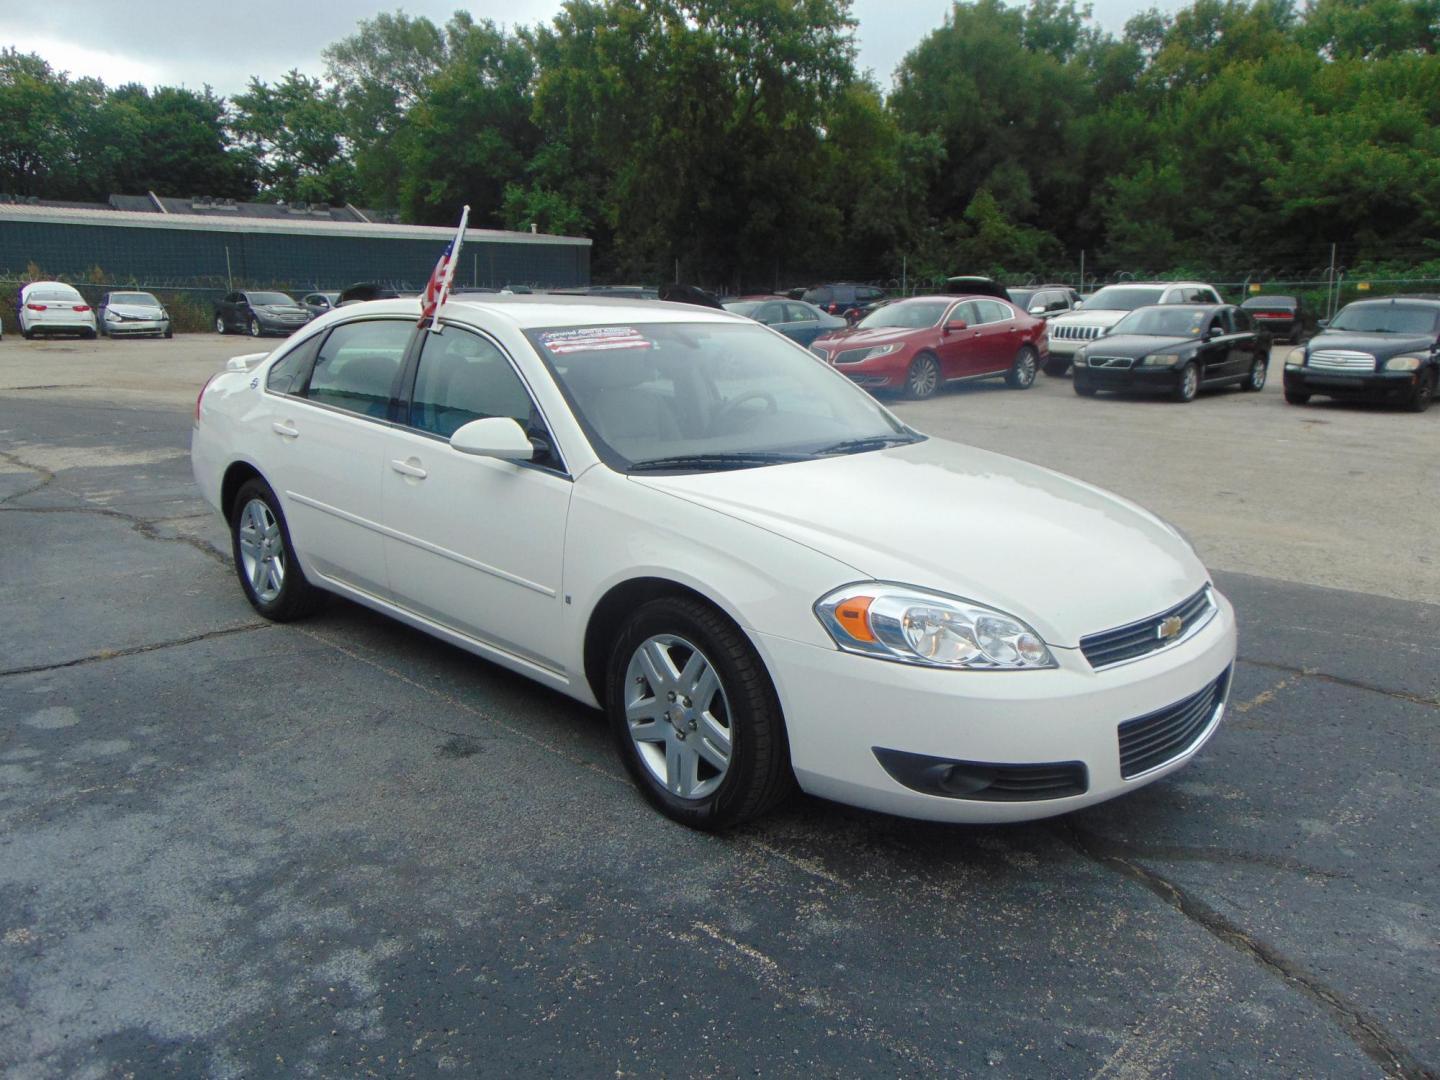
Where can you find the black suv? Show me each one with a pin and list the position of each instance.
(842, 297)
(1373, 350)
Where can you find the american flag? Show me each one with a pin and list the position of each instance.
(438, 287)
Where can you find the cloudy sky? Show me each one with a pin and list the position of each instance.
(222, 45)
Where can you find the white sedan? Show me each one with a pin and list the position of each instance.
(53, 307)
(760, 574)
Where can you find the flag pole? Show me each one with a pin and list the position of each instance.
(437, 290)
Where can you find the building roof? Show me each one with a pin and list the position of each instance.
(122, 213)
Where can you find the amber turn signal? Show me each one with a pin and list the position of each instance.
(854, 616)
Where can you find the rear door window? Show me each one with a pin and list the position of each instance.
(358, 365)
(992, 311)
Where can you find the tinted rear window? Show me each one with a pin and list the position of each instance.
(52, 292)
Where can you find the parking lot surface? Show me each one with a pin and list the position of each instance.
(340, 848)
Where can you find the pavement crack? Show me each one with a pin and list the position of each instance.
(136, 650)
(1368, 1033)
(1341, 680)
(46, 476)
(150, 530)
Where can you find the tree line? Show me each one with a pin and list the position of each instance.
(739, 139)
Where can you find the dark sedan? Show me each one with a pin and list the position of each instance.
(797, 320)
(1175, 349)
(256, 313)
(1374, 350)
(1284, 316)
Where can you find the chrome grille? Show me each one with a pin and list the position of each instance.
(1147, 742)
(821, 353)
(853, 356)
(1075, 331)
(1122, 362)
(1342, 360)
(1139, 638)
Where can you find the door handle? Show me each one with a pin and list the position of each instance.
(409, 468)
(286, 428)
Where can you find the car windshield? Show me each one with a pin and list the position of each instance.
(270, 298)
(139, 299)
(743, 307)
(1123, 298)
(715, 396)
(51, 292)
(1385, 318)
(1163, 321)
(908, 315)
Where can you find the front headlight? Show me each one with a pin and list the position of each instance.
(1295, 358)
(1160, 359)
(882, 350)
(1403, 363)
(1079, 358)
(111, 315)
(913, 626)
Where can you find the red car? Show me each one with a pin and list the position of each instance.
(919, 344)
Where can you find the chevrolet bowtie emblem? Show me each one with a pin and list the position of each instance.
(1169, 628)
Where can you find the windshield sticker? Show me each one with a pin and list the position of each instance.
(594, 339)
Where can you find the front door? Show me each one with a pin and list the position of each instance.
(475, 544)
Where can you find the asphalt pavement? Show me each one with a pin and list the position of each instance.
(341, 848)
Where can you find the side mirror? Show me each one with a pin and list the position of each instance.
(955, 324)
(494, 436)
(1322, 323)
(1038, 309)
(1214, 332)
(1078, 305)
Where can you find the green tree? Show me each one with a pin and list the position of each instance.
(294, 133)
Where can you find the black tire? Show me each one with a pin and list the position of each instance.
(220, 327)
(1057, 365)
(758, 774)
(296, 597)
(923, 377)
(89, 335)
(1423, 394)
(1083, 389)
(253, 327)
(169, 333)
(1021, 375)
(1296, 397)
(1187, 384)
(28, 335)
(1259, 371)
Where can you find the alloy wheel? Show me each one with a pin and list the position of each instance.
(1257, 375)
(262, 550)
(220, 324)
(924, 377)
(678, 716)
(254, 328)
(1189, 383)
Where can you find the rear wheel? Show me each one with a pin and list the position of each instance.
(1423, 394)
(695, 717)
(89, 335)
(1021, 375)
(1188, 384)
(220, 324)
(923, 378)
(1296, 397)
(1255, 381)
(264, 557)
(254, 327)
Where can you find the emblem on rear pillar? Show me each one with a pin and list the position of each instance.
(1169, 628)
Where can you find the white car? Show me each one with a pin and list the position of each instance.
(1075, 329)
(52, 307)
(759, 573)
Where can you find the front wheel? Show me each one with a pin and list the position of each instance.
(220, 324)
(1021, 375)
(695, 717)
(1423, 394)
(254, 327)
(1255, 381)
(923, 378)
(1188, 384)
(264, 557)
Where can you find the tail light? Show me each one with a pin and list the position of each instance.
(36, 307)
(81, 307)
(201, 397)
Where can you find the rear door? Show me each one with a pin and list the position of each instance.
(323, 433)
(997, 337)
(802, 324)
(475, 544)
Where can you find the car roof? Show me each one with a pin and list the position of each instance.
(527, 312)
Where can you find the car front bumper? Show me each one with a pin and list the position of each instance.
(136, 327)
(840, 709)
(1146, 379)
(1364, 386)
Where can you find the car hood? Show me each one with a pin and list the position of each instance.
(1379, 345)
(1068, 558)
(1090, 317)
(283, 309)
(857, 338)
(1136, 345)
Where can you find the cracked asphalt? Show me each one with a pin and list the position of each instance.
(339, 848)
